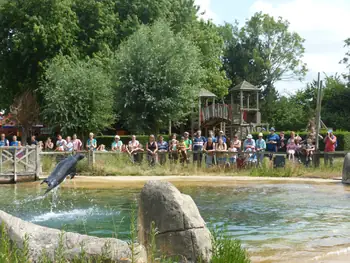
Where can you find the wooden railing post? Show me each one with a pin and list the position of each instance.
(0, 161)
(37, 162)
(15, 166)
(27, 159)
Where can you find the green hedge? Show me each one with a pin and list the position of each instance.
(343, 139)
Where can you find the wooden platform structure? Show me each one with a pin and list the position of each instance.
(19, 164)
(237, 113)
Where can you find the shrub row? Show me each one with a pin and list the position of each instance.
(343, 139)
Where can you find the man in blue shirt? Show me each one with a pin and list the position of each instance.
(3, 141)
(163, 147)
(198, 143)
(272, 142)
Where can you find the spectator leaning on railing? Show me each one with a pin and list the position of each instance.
(198, 143)
(330, 144)
(260, 145)
(91, 143)
(3, 141)
(117, 144)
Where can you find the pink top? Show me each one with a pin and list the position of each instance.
(77, 145)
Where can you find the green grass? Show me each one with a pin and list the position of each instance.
(121, 165)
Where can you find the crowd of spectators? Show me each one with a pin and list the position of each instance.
(213, 150)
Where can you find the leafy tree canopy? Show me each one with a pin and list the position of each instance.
(263, 51)
(158, 77)
(77, 95)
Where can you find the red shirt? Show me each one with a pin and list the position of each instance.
(330, 144)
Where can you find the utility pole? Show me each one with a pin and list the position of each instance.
(318, 110)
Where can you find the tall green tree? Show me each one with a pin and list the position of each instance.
(263, 51)
(78, 95)
(31, 33)
(158, 77)
(208, 39)
(346, 60)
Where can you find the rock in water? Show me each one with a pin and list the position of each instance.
(44, 238)
(346, 169)
(181, 230)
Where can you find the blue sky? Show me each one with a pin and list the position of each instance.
(324, 24)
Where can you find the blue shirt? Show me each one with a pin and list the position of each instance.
(163, 146)
(223, 139)
(272, 137)
(16, 143)
(248, 142)
(4, 143)
(261, 144)
(198, 143)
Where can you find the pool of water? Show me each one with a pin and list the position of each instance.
(276, 222)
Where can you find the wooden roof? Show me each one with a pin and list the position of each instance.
(206, 94)
(245, 86)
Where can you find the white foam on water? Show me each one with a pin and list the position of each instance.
(63, 215)
(343, 251)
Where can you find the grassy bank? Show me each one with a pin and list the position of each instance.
(121, 165)
(225, 250)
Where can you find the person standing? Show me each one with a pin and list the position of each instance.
(3, 141)
(49, 144)
(134, 147)
(330, 144)
(77, 144)
(198, 143)
(15, 142)
(162, 150)
(60, 143)
(209, 149)
(152, 148)
(117, 144)
(91, 143)
(260, 145)
(188, 142)
(33, 141)
(69, 145)
(272, 142)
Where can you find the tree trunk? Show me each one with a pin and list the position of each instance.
(24, 137)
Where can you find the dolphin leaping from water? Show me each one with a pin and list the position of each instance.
(62, 170)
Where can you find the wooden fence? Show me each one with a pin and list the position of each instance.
(19, 163)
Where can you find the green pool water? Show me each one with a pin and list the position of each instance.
(276, 222)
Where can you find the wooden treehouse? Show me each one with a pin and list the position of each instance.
(237, 113)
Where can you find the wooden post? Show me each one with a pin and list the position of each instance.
(318, 110)
(26, 154)
(15, 166)
(248, 102)
(93, 158)
(37, 162)
(0, 160)
(199, 113)
(257, 101)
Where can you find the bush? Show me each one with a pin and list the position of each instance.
(343, 138)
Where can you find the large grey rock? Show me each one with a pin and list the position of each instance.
(346, 169)
(181, 230)
(43, 238)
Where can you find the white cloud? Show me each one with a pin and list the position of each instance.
(323, 23)
(205, 10)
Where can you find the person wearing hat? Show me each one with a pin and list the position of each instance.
(260, 146)
(91, 143)
(330, 142)
(117, 144)
(221, 136)
(249, 144)
(272, 142)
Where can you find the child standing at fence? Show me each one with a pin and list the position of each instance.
(232, 153)
(183, 151)
(173, 152)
